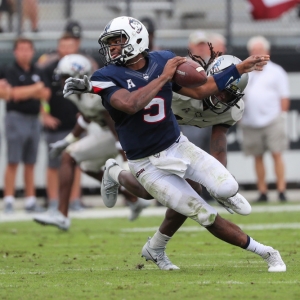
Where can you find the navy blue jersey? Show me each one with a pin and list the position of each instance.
(153, 128)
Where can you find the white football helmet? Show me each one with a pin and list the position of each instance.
(234, 90)
(134, 39)
(74, 65)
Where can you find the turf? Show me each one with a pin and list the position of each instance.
(100, 259)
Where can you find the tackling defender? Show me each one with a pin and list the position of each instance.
(90, 152)
(136, 90)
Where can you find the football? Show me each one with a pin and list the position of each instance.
(190, 74)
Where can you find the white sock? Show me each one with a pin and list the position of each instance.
(257, 247)
(9, 199)
(159, 240)
(114, 172)
(30, 201)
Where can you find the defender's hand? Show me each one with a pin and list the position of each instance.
(253, 63)
(57, 148)
(77, 86)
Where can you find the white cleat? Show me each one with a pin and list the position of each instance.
(158, 256)
(274, 261)
(237, 204)
(137, 207)
(54, 218)
(109, 187)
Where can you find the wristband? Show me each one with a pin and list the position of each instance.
(118, 145)
(70, 138)
(226, 77)
(83, 124)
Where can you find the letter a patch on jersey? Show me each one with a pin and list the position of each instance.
(130, 84)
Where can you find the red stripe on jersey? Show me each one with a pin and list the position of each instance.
(96, 89)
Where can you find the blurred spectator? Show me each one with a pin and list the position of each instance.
(218, 41)
(30, 11)
(5, 89)
(263, 124)
(59, 118)
(22, 127)
(149, 24)
(7, 6)
(72, 35)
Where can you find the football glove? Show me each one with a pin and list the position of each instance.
(58, 147)
(77, 86)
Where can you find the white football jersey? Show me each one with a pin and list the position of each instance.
(190, 112)
(90, 105)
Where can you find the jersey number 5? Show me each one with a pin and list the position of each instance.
(160, 115)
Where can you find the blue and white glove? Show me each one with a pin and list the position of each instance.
(77, 86)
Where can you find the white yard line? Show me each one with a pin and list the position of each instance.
(242, 226)
(123, 212)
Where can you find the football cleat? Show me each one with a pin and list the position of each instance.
(54, 218)
(137, 207)
(109, 187)
(237, 204)
(274, 260)
(158, 256)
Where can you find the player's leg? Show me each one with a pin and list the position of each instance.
(232, 234)
(277, 142)
(53, 169)
(208, 171)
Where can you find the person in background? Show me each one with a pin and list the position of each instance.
(149, 24)
(59, 118)
(263, 124)
(31, 11)
(22, 127)
(218, 41)
(5, 89)
(72, 34)
(7, 6)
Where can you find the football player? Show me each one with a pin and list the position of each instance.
(136, 90)
(90, 152)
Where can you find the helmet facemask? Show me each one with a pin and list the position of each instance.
(224, 100)
(134, 39)
(126, 49)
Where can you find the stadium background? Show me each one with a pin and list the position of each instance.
(174, 21)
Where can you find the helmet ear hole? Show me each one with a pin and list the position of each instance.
(138, 41)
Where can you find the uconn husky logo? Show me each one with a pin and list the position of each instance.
(135, 25)
(77, 68)
(107, 26)
(216, 66)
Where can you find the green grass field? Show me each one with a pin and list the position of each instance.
(100, 259)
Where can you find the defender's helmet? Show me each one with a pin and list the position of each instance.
(233, 92)
(134, 39)
(74, 65)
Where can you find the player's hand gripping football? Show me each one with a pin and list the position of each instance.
(171, 66)
(77, 86)
(253, 63)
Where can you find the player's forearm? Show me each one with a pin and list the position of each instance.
(23, 93)
(137, 100)
(285, 104)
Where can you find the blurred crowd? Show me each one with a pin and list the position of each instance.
(35, 104)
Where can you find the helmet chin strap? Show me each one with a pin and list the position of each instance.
(135, 61)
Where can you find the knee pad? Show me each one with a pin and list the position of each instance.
(205, 216)
(225, 190)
